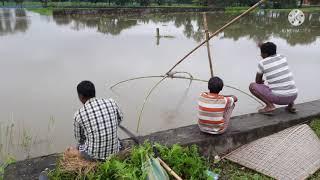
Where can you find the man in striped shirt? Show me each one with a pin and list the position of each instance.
(215, 109)
(280, 88)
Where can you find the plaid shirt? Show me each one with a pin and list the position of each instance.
(95, 127)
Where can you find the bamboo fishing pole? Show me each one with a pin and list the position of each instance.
(168, 169)
(205, 23)
(217, 32)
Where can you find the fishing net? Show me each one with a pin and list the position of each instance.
(291, 154)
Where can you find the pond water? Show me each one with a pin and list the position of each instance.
(44, 57)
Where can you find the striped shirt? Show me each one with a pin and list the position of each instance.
(211, 112)
(278, 75)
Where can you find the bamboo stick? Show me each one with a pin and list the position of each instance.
(205, 23)
(171, 75)
(164, 165)
(145, 101)
(217, 32)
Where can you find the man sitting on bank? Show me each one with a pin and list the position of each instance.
(280, 88)
(95, 125)
(214, 109)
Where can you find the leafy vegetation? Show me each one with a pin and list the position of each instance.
(42, 11)
(7, 162)
(184, 161)
(315, 125)
(230, 170)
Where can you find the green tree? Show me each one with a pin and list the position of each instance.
(144, 2)
(44, 3)
(19, 2)
(160, 2)
(278, 4)
(120, 2)
(200, 2)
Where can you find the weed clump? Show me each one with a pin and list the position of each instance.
(185, 161)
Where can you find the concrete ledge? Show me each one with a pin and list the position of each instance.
(243, 130)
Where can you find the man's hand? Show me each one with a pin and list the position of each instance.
(259, 78)
(233, 97)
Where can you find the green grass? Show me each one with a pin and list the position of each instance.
(315, 125)
(3, 165)
(42, 11)
(229, 170)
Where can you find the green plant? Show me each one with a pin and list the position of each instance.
(315, 125)
(185, 161)
(7, 162)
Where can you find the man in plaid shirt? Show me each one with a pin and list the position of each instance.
(96, 124)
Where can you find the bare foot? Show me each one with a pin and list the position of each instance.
(291, 109)
(267, 110)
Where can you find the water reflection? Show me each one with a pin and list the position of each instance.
(258, 26)
(13, 21)
(262, 26)
(105, 25)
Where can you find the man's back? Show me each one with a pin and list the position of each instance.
(278, 75)
(212, 112)
(95, 126)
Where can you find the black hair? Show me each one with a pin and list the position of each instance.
(268, 48)
(215, 84)
(86, 89)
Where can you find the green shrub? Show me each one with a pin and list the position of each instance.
(184, 161)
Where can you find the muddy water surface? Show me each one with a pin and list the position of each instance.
(44, 57)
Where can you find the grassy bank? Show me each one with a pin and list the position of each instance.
(4, 164)
(184, 161)
(42, 11)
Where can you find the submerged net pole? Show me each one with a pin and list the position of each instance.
(217, 32)
(205, 23)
